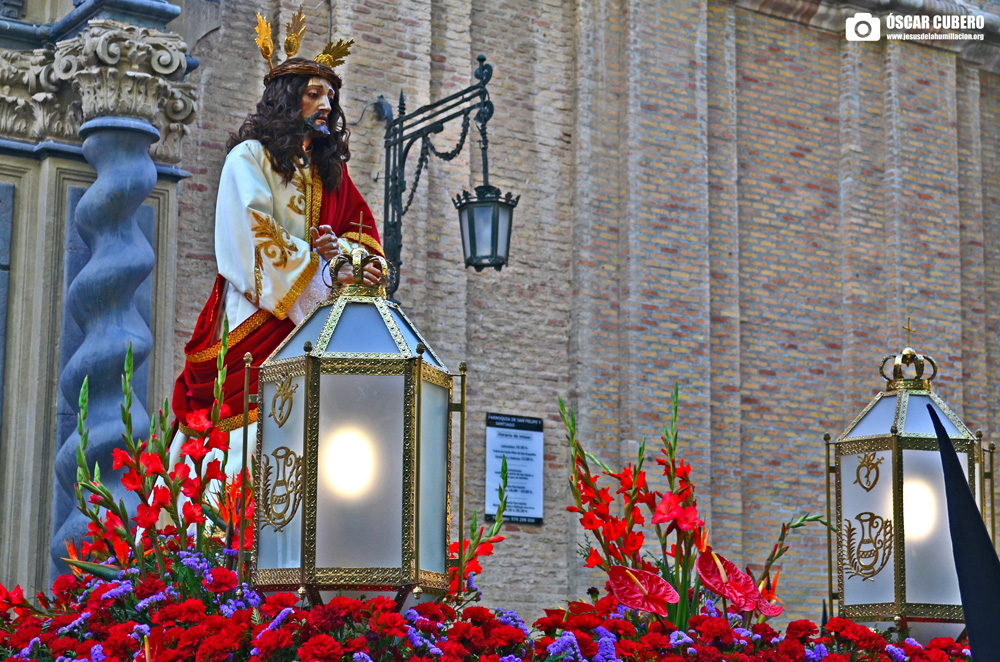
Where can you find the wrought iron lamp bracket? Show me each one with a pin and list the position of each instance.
(405, 130)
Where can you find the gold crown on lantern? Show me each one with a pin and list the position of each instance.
(322, 65)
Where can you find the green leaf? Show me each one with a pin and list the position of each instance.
(99, 570)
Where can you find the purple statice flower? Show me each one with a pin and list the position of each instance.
(512, 619)
(251, 596)
(412, 615)
(566, 646)
(230, 607)
(913, 642)
(278, 620)
(816, 654)
(229, 551)
(620, 611)
(139, 632)
(680, 638)
(416, 639)
(362, 657)
(510, 658)
(123, 588)
(605, 645)
(196, 562)
(710, 608)
(743, 633)
(967, 653)
(896, 653)
(145, 602)
(756, 637)
(692, 651)
(472, 586)
(75, 624)
(26, 651)
(97, 653)
(171, 592)
(775, 641)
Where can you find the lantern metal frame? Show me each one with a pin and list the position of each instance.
(895, 442)
(307, 578)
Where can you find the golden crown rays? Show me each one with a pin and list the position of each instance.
(295, 30)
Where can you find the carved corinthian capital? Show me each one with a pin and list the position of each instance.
(110, 68)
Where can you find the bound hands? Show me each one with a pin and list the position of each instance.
(325, 242)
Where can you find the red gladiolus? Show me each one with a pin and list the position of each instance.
(119, 459)
(194, 448)
(594, 559)
(131, 481)
(146, 516)
(688, 519)
(152, 464)
(722, 577)
(638, 589)
(193, 514)
(668, 509)
(198, 420)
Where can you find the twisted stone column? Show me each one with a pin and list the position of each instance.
(124, 79)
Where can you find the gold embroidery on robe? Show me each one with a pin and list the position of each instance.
(298, 202)
(273, 242)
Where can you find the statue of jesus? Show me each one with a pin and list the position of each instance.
(286, 208)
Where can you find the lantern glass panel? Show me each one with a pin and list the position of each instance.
(360, 471)
(483, 227)
(309, 331)
(918, 421)
(433, 476)
(503, 230)
(410, 336)
(463, 223)
(878, 420)
(925, 524)
(361, 329)
(281, 549)
(866, 516)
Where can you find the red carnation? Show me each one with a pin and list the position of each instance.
(222, 580)
(321, 648)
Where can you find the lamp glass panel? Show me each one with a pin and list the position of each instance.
(309, 330)
(878, 420)
(463, 223)
(864, 531)
(918, 421)
(359, 505)
(410, 336)
(930, 565)
(482, 220)
(280, 446)
(503, 230)
(361, 330)
(433, 476)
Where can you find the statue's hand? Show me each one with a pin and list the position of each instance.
(325, 242)
(372, 273)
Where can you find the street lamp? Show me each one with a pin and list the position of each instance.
(894, 556)
(353, 474)
(485, 218)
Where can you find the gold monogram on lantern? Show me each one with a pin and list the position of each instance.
(870, 554)
(281, 410)
(281, 487)
(868, 471)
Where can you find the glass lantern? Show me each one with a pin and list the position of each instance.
(353, 472)
(485, 221)
(894, 560)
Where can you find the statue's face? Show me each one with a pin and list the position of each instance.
(317, 100)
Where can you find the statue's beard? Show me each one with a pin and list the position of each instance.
(314, 128)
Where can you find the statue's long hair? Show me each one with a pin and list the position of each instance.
(279, 126)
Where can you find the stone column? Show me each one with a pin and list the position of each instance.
(121, 76)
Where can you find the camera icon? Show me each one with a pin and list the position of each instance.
(863, 27)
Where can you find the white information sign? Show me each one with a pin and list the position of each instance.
(520, 440)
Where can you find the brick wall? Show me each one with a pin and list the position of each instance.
(711, 196)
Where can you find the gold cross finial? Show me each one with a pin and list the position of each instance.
(359, 225)
(908, 328)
